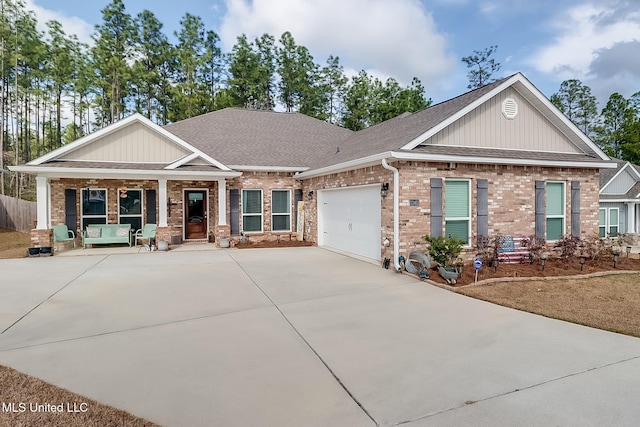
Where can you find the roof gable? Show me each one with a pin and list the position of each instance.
(624, 180)
(133, 140)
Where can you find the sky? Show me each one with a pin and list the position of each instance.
(549, 41)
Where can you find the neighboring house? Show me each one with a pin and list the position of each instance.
(620, 199)
(500, 159)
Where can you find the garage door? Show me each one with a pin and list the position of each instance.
(349, 220)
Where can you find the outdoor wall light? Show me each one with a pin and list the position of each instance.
(384, 189)
(386, 242)
(310, 195)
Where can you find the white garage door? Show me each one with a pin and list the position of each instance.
(349, 220)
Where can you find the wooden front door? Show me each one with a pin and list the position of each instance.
(195, 214)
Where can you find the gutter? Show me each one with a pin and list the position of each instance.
(396, 214)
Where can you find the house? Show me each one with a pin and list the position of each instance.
(619, 199)
(500, 159)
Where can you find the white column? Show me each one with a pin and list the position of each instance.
(42, 205)
(162, 202)
(631, 216)
(222, 201)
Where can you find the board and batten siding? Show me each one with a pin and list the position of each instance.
(131, 144)
(621, 184)
(487, 127)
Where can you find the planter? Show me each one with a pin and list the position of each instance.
(163, 245)
(46, 251)
(33, 252)
(224, 242)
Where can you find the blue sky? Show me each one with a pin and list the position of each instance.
(596, 41)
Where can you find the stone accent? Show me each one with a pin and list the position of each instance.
(40, 238)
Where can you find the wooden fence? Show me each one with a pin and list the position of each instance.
(16, 214)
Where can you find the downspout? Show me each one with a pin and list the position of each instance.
(396, 214)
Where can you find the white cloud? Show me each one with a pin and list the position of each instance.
(584, 30)
(397, 39)
(70, 24)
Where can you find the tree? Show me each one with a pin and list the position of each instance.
(298, 76)
(482, 67)
(244, 74)
(334, 83)
(617, 117)
(111, 54)
(62, 54)
(575, 100)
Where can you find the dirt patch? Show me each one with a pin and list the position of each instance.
(24, 393)
(13, 244)
(609, 302)
(552, 268)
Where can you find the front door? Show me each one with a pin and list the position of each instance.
(195, 214)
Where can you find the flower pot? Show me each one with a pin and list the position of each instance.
(163, 245)
(224, 242)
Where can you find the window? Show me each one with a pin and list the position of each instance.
(280, 210)
(94, 206)
(603, 223)
(457, 209)
(555, 210)
(251, 211)
(130, 208)
(613, 222)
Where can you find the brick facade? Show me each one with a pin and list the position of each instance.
(511, 198)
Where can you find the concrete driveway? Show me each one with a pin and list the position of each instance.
(301, 337)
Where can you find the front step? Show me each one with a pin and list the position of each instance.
(195, 241)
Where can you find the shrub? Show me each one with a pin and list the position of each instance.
(595, 248)
(444, 250)
(569, 246)
(488, 247)
(535, 246)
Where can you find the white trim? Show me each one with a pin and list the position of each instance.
(142, 210)
(281, 214)
(614, 177)
(42, 203)
(137, 117)
(249, 168)
(242, 214)
(517, 78)
(345, 166)
(162, 203)
(518, 150)
(55, 172)
(185, 209)
(467, 218)
(222, 201)
(602, 225)
(106, 205)
(182, 161)
(564, 209)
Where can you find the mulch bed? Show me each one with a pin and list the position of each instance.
(553, 268)
(283, 243)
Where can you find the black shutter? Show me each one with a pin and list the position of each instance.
(70, 209)
(483, 207)
(297, 197)
(234, 202)
(436, 207)
(575, 208)
(151, 207)
(540, 210)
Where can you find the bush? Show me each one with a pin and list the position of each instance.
(569, 246)
(535, 246)
(444, 250)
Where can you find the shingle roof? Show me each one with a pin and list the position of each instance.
(395, 133)
(497, 153)
(607, 174)
(259, 138)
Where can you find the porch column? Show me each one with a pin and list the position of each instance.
(222, 201)
(631, 216)
(42, 205)
(162, 202)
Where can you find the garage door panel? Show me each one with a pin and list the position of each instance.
(351, 220)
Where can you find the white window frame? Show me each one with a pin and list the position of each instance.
(603, 226)
(281, 214)
(564, 208)
(261, 214)
(140, 215)
(106, 206)
(467, 218)
(609, 225)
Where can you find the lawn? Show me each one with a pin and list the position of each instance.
(13, 244)
(610, 302)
